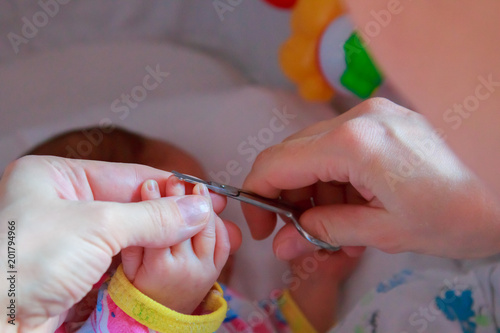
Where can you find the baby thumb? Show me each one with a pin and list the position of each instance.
(160, 222)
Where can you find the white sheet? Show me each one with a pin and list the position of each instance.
(63, 82)
(247, 35)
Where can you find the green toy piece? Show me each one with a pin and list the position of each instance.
(361, 76)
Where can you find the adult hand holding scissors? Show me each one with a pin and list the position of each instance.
(396, 186)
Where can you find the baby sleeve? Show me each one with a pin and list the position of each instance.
(122, 308)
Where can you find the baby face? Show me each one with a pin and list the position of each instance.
(161, 155)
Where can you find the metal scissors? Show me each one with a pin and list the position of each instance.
(277, 206)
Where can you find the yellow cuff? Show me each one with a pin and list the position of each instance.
(295, 318)
(160, 318)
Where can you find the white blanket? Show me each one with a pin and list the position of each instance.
(246, 33)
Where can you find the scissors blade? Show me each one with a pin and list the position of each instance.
(226, 190)
(196, 180)
(277, 206)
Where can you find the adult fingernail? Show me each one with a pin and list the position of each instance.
(152, 186)
(194, 209)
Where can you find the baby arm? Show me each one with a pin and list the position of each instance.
(316, 291)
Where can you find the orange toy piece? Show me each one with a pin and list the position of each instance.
(299, 54)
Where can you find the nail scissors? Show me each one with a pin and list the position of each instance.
(277, 206)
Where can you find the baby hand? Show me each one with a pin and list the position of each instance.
(179, 277)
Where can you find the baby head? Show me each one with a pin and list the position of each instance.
(119, 145)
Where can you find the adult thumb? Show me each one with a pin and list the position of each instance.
(158, 223)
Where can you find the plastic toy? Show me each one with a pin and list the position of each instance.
(324, 53)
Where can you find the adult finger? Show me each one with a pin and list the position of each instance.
(94, 180)
(289, 244)
(329, 154)
(325, 125)
(294, 164)
(30, 326)
(87, 180)
(154, 223)
(372, 105)
(341, 150)
(350, 225)
(320, 193)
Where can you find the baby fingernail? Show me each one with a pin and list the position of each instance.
(152, 186)
(178, 184)
(194, 209)
(204, 190)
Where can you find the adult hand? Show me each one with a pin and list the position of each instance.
(71, 217)
(406, 191)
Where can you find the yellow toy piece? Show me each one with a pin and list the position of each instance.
(299, 54)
